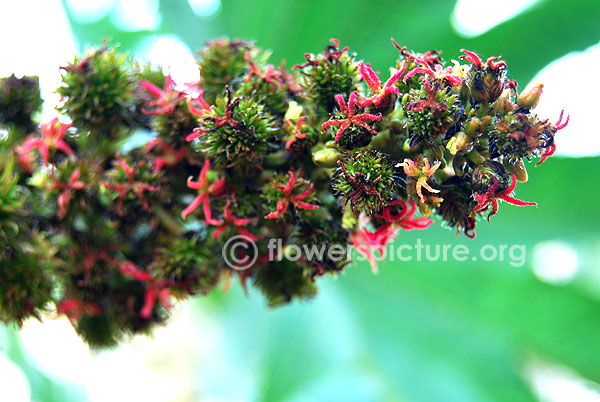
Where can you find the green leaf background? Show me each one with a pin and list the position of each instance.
(417, 331)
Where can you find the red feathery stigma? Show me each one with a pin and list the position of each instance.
(405, 217)
(298, 135)
(351, 118)
(429, 102)
(138, 188)
(170, 156)
(64, 199)
(288, 198)
(438, 72)
(167, 98)
(219, 121)
(53, 134)
(374, 84)
(491, 197)
(369, 243)
(205, 190)
(331, 53)
(234, 222)
(75, 308)
(157, 288)
(271, 75)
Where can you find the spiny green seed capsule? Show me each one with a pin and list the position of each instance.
(237, 132)
(189, 261)
(222, 63)
(282, 281)
(430, 111)
(19, 101)
(458, 204)
(97, 91)
(328, 74)
(367, 180)
(519, 135)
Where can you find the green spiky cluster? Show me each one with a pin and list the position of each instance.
(329, 75)
(369, 182)
(222, 63)
(247, 142)
(97, 91)
(429, 115)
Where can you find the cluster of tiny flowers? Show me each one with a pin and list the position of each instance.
(111, 230)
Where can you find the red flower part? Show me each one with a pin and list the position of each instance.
(205, 190)
(92, 256)
(351, 118)
(369, 243)
(219, 121)
(64, 199)
(360, 187)
(288, 198)
(429, 102)
(75, 308)
(493, 63)
(438, 73)
(136, 187)
(471, 57)
(234, 222)
(167, 98)
(170, 156)
(491, 197)
(298, 135)
(331, 52)
(204, 106)
(271, 75)
(374, 84)
(431, 57)
(53, 134)
(512, 86)
(157, 289)
(405, 218)
(549, 151)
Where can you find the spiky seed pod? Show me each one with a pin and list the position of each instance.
(366, 180)
(97, 92)
(430, 112)
(323, 235)
(237, 132)
(328, 74)
(19, 102)
(486, 175)
(288, 196)
(520, 135)
(188, 261)
(282, 281)
(222, 63)
(458, 204)
(130, 186)
(354, 136)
